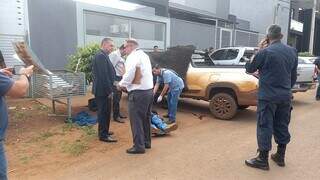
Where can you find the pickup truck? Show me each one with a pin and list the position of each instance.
(305, 73)
(227, 88)
(240, 55)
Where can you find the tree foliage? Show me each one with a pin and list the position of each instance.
(81, 60)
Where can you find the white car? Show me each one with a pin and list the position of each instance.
(305, 73)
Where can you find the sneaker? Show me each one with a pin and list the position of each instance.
(171, 127)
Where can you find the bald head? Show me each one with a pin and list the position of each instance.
(274, 32)
(131, 45)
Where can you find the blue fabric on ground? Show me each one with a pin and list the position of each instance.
(157, 121)
(84, 119)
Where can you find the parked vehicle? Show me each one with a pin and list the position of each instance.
(227, 88)
(240, 55)
(305, 79)
(232, 55)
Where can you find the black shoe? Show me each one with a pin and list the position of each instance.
(118, 120)
(147, 146)
(108, 139)
(133, 150)
(110, 133)
(122, 117)
(278, 157)
(260, 162)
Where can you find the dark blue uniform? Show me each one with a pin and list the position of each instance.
(277, 65)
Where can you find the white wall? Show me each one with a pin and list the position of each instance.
(12, 17)
(205, 5)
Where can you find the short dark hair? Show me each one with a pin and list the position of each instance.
(155, 47)
(274, 31)
(104, 40)
(122, 47)
(157, 66)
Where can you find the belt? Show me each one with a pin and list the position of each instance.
(138, 90)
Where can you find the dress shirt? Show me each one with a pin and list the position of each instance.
(117, 62)
(137, 59)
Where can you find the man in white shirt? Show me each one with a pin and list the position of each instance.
(138, 81)
(118, 64)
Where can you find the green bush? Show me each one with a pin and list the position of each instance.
(305, 54)
(83, 56)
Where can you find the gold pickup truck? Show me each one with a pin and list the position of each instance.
(227, 88)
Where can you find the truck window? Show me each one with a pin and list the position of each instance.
(218, 55)
(225, 54)
(248, 54)
(201, 60)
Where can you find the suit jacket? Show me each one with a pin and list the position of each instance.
(103, 74)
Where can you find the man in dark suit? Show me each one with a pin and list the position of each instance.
(103, 79)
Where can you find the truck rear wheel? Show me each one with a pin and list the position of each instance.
(223, 106)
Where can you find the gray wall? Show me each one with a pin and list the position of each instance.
(261, 13)
(189, 33)
(53, 31)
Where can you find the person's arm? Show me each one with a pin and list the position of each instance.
(166, 80)
(131, 65)
(294, 73)
(164, 90)
(156, 88)
(256, 63)
(20, 87)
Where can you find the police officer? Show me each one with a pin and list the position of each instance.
(174, 84)
(277, 67)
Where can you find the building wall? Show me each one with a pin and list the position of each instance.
(217, 8)
(12, 28)
(53, 31)
(262, 13)
(190, 33)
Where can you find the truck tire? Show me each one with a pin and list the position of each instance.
(243, 107)
(223, 106)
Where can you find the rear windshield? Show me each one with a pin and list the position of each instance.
(201, 60)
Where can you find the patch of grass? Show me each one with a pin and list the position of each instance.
(43, 136)
(19, 115)
(68, 127)
(89, 133)
(75, 149)
(89, 130)
(40, 107)
(46, 135)
(25, 159)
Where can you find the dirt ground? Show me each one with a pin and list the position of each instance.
(42, 147)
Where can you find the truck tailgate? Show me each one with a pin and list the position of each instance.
(305, 73)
